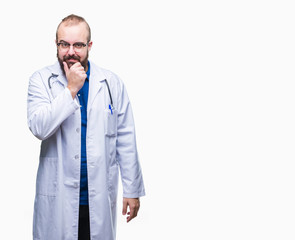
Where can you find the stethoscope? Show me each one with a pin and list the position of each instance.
(111, 107)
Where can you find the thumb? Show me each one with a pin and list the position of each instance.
(124, 211)
(66, 68)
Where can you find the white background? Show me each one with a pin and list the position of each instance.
(212, 89)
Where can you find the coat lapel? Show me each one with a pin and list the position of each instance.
(56, 70)
(95, 83)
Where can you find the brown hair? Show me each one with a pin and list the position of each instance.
(73, 20)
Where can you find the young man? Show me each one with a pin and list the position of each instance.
(83, 116)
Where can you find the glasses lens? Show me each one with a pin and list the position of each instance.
(65, 45)
(78, 45)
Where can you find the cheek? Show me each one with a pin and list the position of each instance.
(82, 56)
(60, 55)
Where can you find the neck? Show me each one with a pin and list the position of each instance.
(86, 67)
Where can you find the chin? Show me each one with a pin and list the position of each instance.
(70, 64)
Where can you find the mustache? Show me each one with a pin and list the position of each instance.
(71, 57)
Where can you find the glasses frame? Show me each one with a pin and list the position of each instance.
(76, 49)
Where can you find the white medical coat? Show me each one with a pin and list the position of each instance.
(55, 118)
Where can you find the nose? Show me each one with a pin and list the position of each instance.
(71, 50)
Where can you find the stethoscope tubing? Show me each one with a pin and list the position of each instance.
(108, 87)
(109, 92)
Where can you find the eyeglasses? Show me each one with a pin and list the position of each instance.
(78, 46)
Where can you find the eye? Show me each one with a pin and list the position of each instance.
(65, 45)
(79, 45)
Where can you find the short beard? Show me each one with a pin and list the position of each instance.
(65, 58)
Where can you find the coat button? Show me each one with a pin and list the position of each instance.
(91, 164)
(77, 156)
(92, 192)
(77, 130)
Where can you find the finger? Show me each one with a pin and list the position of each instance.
(132, 214)
(78, 69)
(81, 69)
(129, 218)
(124, 211)
(66, 68)
(77, 65)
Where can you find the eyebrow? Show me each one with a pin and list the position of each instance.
(62, 41)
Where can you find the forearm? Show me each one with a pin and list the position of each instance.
(127, 158)
(126, 149)
(45, 117)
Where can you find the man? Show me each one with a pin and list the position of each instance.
(83, 116)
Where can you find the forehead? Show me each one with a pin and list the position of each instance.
(73, 32)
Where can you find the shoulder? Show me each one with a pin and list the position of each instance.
(47, 71)
(105, 74)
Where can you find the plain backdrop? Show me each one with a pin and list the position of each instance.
(212, 89)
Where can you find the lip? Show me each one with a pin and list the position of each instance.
(72, 60)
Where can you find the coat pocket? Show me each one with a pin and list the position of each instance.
(46, 184)
(110, 122)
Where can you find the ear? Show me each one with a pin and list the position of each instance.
(90, 45)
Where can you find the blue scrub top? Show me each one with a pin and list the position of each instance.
(83, 98)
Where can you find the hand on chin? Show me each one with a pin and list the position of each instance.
(71, 63)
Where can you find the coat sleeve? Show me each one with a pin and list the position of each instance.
(44, 115)
(126, 150)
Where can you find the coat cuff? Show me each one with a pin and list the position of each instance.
(134, 195)
(75, 103)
